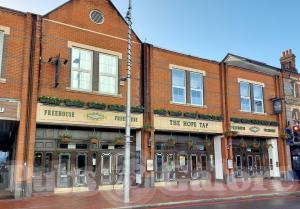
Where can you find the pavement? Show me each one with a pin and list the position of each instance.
(166, 196)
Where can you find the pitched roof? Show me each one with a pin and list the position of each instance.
(250, 64)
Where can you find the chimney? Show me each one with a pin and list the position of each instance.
(288, 60)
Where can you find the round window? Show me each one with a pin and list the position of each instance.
(96, 16)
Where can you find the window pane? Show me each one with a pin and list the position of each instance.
(108, 64)
(84, 81)
(245, 104)
(196, 81)
(38, 164)
(196, 97)
(178, 95)
(257, 92)
(48, 163)
(245, 89)
(258, 106)
(178, 78)
(108, 85)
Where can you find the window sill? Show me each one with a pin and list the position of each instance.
(93, 93)
(255, 113)
(2, 80)
(188, 105)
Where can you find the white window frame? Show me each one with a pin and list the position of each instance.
(199, 90)
(244, 97)
(180, 87)
(261, 100)
(2, 35)
(83, 71)
(109, 75)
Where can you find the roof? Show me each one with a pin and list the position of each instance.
(109, 1)
(253, 65)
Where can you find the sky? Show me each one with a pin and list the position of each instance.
(256, 29)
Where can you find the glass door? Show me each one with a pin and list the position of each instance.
(182, 172)
(159, 167)
(106, 169)
(81, 165)
(64, 171)
(239, 167)
(203, 173)
(119, 168)
(258, 165)
(250, 165)
(194, 170)
(171, 167)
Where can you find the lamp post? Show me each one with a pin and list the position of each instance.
(128, 111)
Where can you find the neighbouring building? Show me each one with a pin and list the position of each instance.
(291, 82)
(63, 95)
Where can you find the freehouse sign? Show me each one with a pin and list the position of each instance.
(77, 116)
(185, 124)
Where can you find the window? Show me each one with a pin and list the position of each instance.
(38, 164)
(108, 74)
(81, 77)
(1, 50)
(258, 98)
(251, 97)
(245, 97)
(292, 88)
(196, 88)
(178, 86)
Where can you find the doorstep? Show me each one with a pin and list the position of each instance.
(110, 187)
(165, 183)
(70, 190)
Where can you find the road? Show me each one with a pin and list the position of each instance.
(290, 202)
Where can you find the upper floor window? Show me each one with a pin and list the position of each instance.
(108, 74)
(1, 50)
(251, 97)
(187, 87)
(81, 75)
(245, 97)
(178, 86)
(196, 88)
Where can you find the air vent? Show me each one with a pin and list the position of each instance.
(97, 16)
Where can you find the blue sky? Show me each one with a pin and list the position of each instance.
(257, 29)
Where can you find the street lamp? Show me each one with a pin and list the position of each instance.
(128, 111)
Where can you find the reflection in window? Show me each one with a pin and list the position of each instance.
(245, 96)
(196, 88)
(48, 162)
(81, 69)
(258, 98)
(178, 86)
(38, 164)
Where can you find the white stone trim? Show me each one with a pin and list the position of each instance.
(249, 81)
(88, 47)
(5, 29)
(172, 66)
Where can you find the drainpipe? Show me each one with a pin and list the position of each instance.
(29, 103)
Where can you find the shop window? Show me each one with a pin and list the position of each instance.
(81, 75)
(196, 88)
(48, 162)
(120, 168)
(106, 169)
(1, 50)
(178, 86)
(108, 73)
(171, 166)
(251, 97)
(183, 162)
(159, 167)
(203, 162)
(94, 162)
(38, 159)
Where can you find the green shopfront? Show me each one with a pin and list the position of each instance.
(80, 149)
(254, 147)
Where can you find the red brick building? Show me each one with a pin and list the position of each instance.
(193, 119)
